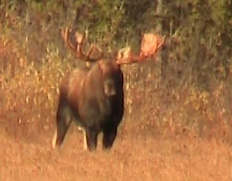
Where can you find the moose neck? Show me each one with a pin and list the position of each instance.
(95, 81)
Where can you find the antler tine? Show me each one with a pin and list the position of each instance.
(78, 48)
(79, 42)
(64, 34)
(79, 39)
(94, 49)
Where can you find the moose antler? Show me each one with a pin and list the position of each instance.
(93, 54)
(149, 46)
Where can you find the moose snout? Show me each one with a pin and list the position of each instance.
(109, 88)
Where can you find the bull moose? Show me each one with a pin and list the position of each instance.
(94, 96)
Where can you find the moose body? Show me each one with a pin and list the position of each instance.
(94, 97)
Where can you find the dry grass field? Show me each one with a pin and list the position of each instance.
(145, 149)
(133, 157)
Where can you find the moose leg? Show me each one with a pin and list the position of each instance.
(84, 140)
(91, 138)
(84, 137)
(109, 135)
(62, 125)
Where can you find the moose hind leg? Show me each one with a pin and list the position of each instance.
(84, 140)
(62, 126)
(84, 137)
(109, 135)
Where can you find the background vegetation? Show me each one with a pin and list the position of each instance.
(186, 90)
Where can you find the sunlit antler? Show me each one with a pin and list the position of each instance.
(149, 46)
(78, 46)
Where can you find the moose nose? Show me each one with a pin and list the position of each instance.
(109, 88)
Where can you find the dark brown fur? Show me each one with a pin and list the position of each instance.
(95, 99)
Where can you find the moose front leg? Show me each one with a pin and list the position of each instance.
(109, 135)
(91, 138)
